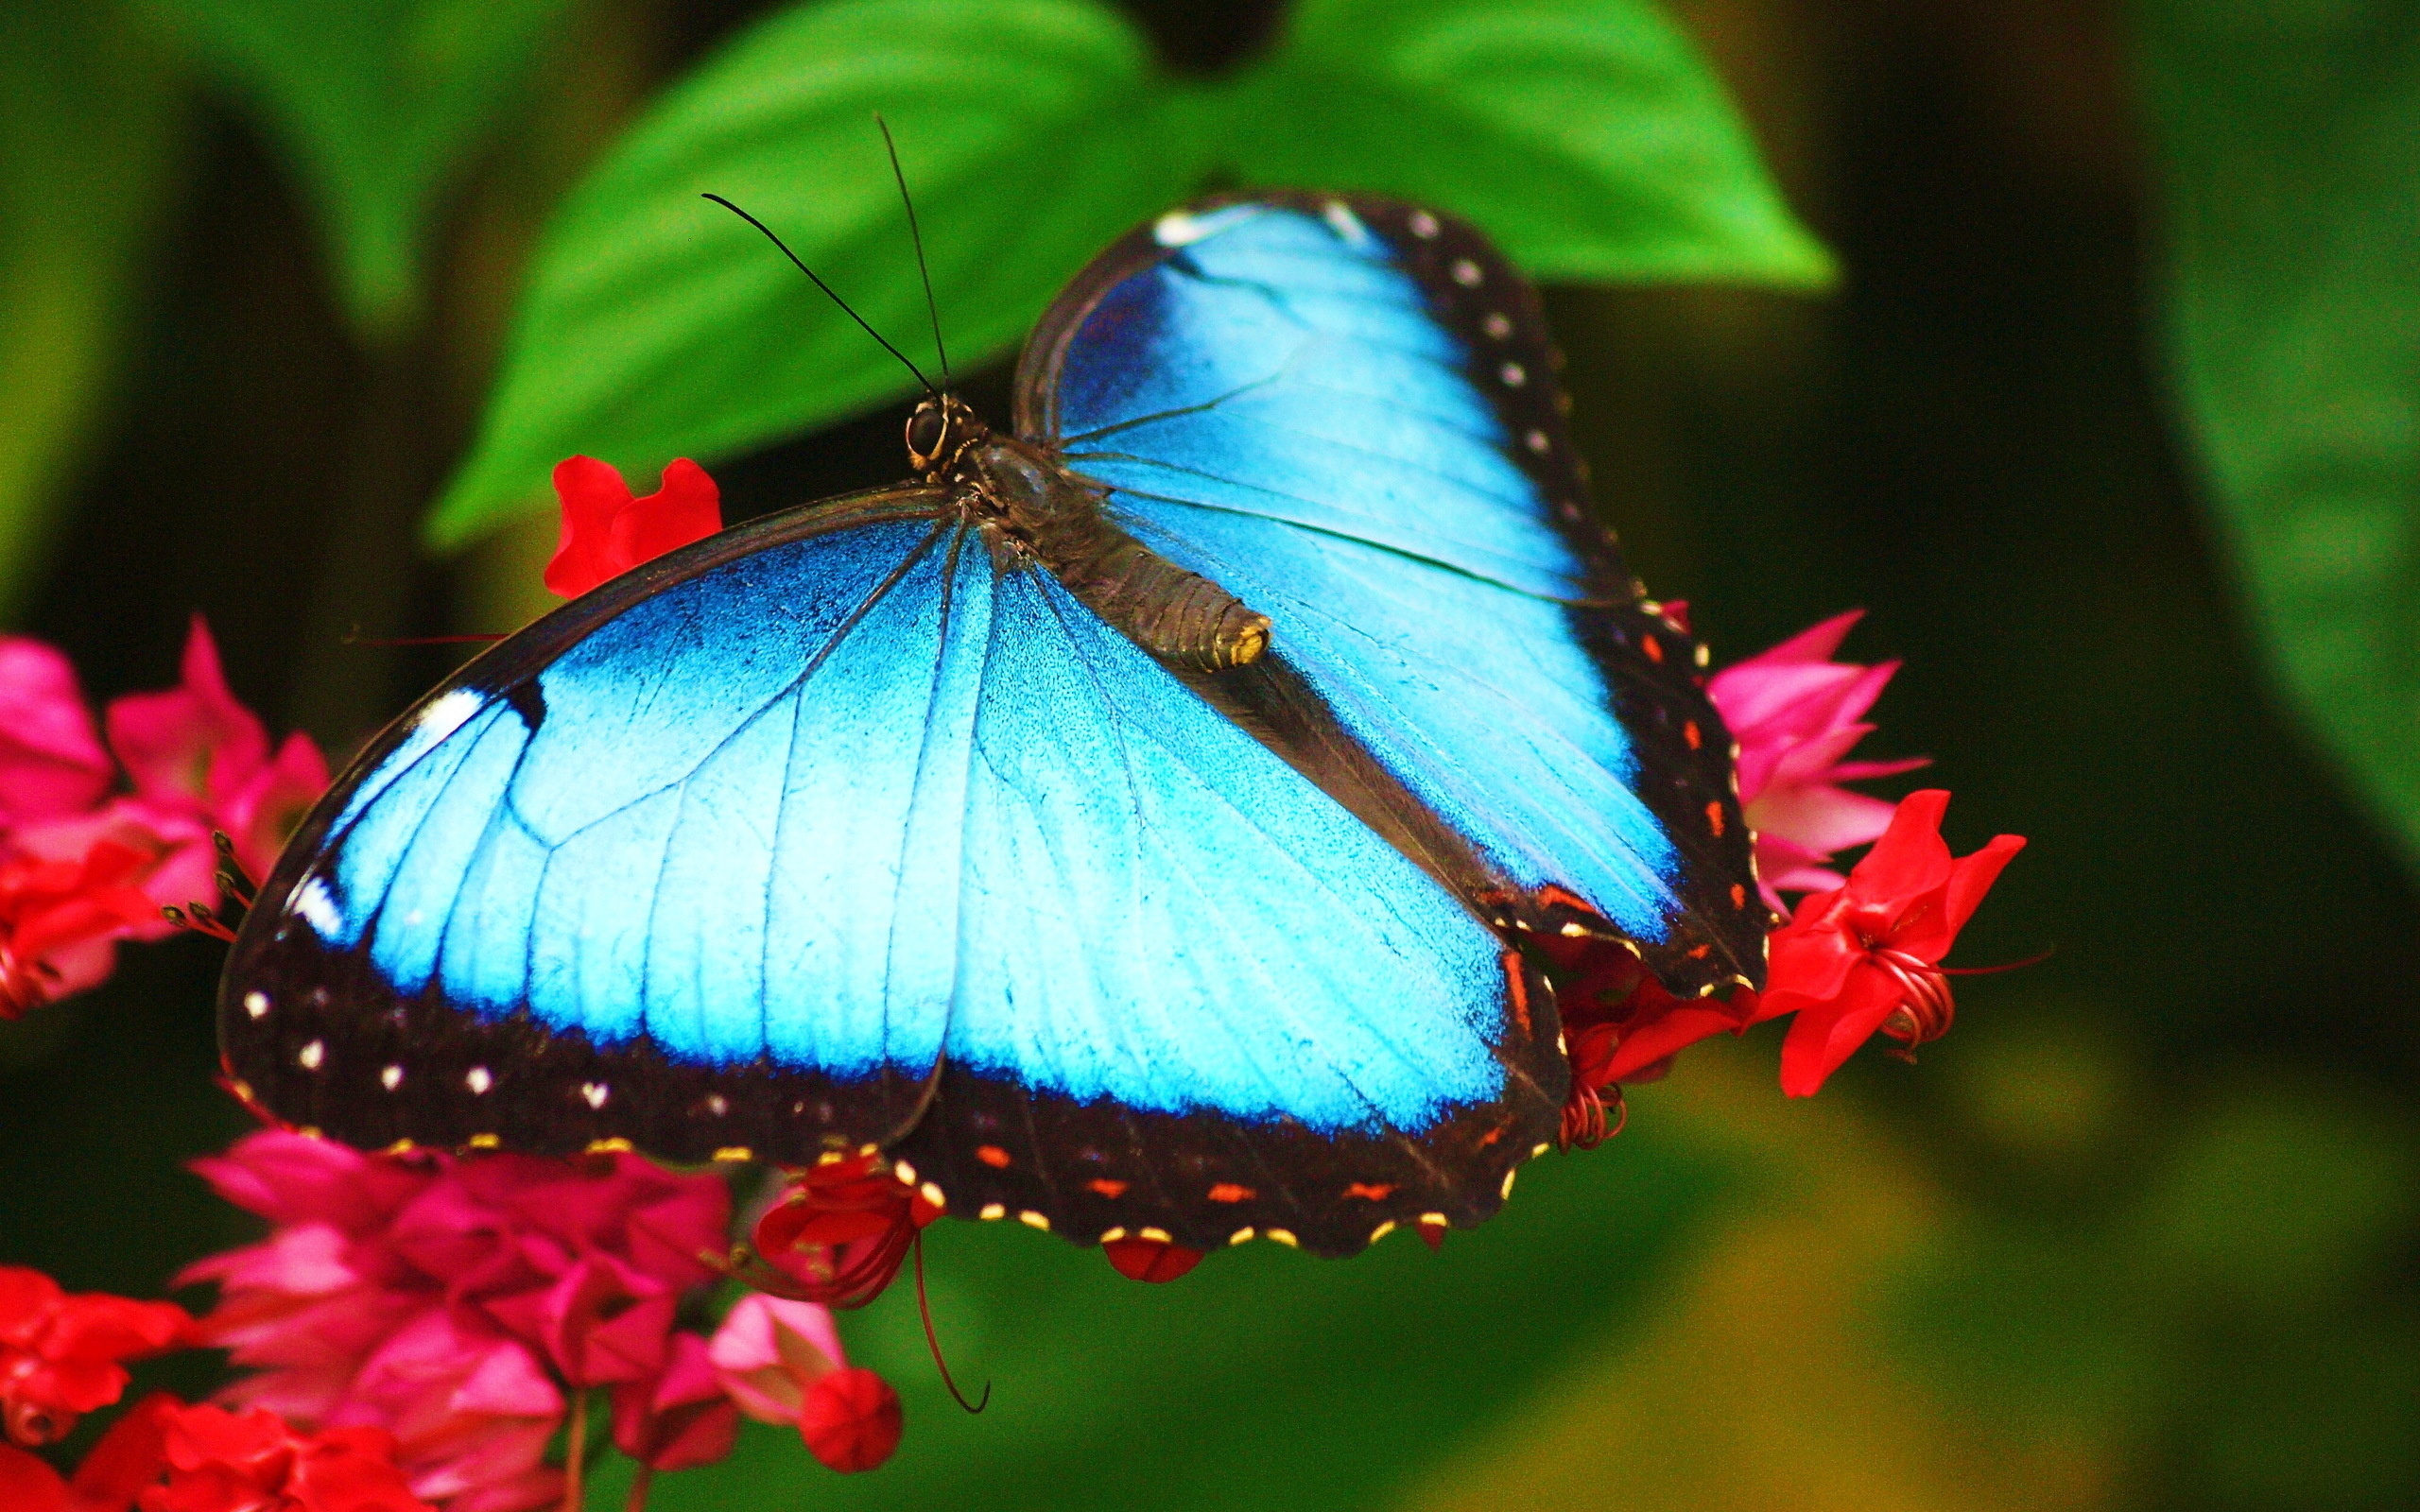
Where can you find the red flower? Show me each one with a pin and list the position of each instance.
(1795, 713)
(59, 1355)
(781, 1362)
(219, 1461)
(840, 1233)
(128, 1458)
(606, 532)
(1859, 958)
(1866, 956)
(60, 921)
(851, 1420)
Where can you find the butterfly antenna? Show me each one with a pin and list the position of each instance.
(916, 235)
(845, 309)
(924, 1309)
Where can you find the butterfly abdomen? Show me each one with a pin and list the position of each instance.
(1179, 616)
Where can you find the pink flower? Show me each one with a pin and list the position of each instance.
(1866, 956)
(82, 867)
(452, 1301)
(51, 760)
(472, 1411)
(606, 532)
(1795, 713)
(769, 1351)
(680, 1418)
(192, 747)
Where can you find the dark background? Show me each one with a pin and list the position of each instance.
(2151, 1200)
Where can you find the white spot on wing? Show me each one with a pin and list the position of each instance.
(392, 1077)
(1341, 219)
(1424, 225)
(256, 1003)
(1180, 228)
(596, 1092)
(479, 1081)
(447, 713)
(319, 908)
(312, 1054)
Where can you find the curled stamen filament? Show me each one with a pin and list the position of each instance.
(1926, 1008)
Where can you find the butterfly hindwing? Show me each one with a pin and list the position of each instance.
(1344, 411)
(854, 821)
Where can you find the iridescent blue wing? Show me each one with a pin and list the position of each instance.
(1344, 411)
(853, 823)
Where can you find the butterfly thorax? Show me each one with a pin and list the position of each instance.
(1033, 511)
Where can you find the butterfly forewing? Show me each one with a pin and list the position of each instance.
(1344, 410)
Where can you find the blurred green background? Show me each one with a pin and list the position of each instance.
(2111, 415)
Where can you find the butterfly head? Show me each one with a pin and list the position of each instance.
(939, 431)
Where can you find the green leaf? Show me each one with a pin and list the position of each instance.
(92, 123)
(2290, 144)
(1586, 136)
(1032, 132)
(377, 103)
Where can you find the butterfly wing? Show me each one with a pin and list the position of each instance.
(1344, 410)
(855, 822)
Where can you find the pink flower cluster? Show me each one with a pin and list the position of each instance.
(97, 836)
(1796, 713)
(461, 1304)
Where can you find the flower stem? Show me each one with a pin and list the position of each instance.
(640, 1481)
(576, 1453)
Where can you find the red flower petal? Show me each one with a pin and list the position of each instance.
(686, 508)
(1911, 857)
(606, 532)
(851, 1420)
(28, 1484)
(591, 494)
(1150, 1259)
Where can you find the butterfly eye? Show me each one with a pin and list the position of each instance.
(925, 430)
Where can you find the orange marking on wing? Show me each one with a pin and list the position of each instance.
(993, 1156)
(1700, 952)
(1490, 1136)
(1107, 1188)
(1551, 895)
(1713, 819)
(1375, 1191)
(1230, 1191)
(1518, 982)
(1738, 896)
(1689, 733)
(1653, 647)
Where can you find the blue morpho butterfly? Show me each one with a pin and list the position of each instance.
(1127, 826)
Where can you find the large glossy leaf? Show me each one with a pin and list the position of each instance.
(2290, 150)
(1586, 135)
(1585, 132)
(376, 103)
(1032, 131)
(92, 120)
